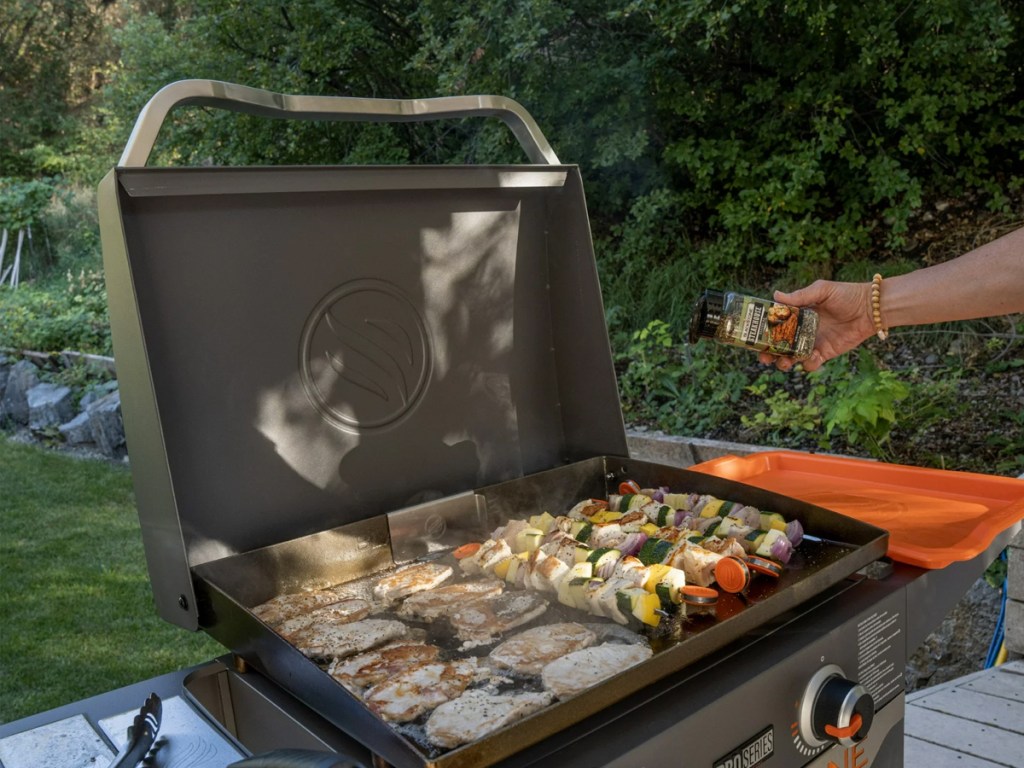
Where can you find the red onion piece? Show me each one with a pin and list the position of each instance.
(794, 532)
(782, 550)
(632, 543)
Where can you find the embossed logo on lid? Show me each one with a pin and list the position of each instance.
(365, 355)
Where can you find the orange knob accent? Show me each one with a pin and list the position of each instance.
(845, 733)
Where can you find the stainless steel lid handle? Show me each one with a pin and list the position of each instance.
(255, 101)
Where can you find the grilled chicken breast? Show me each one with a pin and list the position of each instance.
(696, 562)
(331, 640)
(376, 666)
(413, 578)
(533, 649)
(284, 607)
(483, 620)
(436, 603)
(476, 713)
(341, 612)
(577, 671)
(418, 689)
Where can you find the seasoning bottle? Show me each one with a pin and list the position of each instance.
(753, 323)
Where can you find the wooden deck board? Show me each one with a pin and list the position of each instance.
(977, 720)
(1009, 684)
(967, 704)
(924, 754)
(966, 736)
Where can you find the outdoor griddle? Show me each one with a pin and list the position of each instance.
(330, 372)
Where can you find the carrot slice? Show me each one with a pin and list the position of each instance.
(629, 486)
(466, 550)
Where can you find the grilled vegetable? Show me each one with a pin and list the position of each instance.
(666, 582)
(580, 530)
(731, 526)
(528, 539)
(711, 508)
(542, 522)
(466, 550)
(654, 551)
(501, 568)
(603, 556)
(775, 545)
(641, 604)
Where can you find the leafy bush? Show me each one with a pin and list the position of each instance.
(22, 202)
(791, 132)
(864, 407)
(72, 315)
(672, 388)
(784, 414)
(71, 226)
(1010, 442)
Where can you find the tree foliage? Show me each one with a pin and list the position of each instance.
(738, 141)
(51, 52)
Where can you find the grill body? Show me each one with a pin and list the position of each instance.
(327, 372)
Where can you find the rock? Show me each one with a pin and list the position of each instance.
(78, 431)
(960, 644)
(5, 370)
(14, 405)
(106, 424)
(95, 393)
(48, 406)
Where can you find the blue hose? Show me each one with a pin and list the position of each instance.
(1000, 630)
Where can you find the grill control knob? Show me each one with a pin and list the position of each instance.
(835, 709)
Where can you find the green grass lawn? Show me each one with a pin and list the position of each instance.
(76, 608)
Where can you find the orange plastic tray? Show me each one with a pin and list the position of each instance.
(934, 517)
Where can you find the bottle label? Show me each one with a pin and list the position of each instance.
(768, 326)
(752, 328)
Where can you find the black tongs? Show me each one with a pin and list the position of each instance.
(141, 734)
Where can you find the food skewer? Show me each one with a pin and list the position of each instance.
(633, 556)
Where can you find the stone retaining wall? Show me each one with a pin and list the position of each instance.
(1015, 596)
(56, 413)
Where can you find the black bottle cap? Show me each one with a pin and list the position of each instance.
(707, 314)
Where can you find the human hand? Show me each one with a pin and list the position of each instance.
(844, 321)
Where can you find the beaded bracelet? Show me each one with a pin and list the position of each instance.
(876, 307)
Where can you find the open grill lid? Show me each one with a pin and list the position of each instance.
(300, 348)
